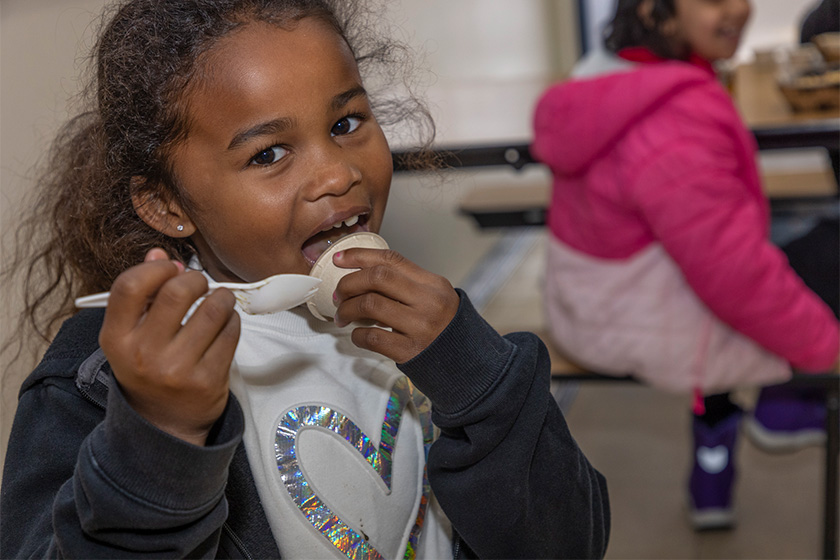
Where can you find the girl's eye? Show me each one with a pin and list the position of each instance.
(346, 125)
(269, 156)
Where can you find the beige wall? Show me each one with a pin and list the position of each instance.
(38, 65)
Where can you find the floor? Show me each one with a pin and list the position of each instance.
(639, 439)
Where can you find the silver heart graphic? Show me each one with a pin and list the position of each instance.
(712, 459)
(330, 525)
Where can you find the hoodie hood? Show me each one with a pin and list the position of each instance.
(578, 120)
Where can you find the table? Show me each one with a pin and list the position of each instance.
(525, 205)
(763, 106)
(775, 124)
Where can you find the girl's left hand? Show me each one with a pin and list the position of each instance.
(396, 293)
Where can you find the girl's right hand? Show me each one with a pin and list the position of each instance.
(175, 376)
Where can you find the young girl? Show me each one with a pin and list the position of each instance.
(659, 262)
(237, 137)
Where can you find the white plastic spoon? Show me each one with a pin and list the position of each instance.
(273, 294)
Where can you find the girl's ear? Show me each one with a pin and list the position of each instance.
(644, 11)
(162, 213)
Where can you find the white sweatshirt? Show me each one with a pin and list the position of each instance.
(320, 416)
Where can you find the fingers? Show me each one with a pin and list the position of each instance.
(156, 254)
(195, 362)
(150, 300)
(222, 350)
(381, 291)
(132, 292)
(394, 293)
(172, 302)
(174, 375)
(389, 285)
(397, 346)
(382, 271)
(211, 334)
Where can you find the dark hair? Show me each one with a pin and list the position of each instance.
(82, 230)
(627, 29)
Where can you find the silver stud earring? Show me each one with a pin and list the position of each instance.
(180, 227)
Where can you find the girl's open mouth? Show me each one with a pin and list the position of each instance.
(315, 246)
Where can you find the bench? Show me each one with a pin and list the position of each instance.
(525, 204)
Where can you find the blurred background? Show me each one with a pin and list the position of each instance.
(486, 62)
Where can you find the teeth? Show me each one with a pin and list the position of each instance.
(348, 222)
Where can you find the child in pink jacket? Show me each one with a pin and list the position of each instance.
(659, 259)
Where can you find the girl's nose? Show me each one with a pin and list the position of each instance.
(333, 174)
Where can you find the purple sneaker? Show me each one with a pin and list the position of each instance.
(787, 418)
(713, 474)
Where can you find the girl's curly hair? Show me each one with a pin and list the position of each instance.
(147, 55)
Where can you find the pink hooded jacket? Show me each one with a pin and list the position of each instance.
(659, 259)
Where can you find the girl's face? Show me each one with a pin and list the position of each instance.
(283, 155)
(709, 28)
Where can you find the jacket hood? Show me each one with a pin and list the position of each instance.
(576, 121)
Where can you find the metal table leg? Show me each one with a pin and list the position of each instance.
(832, 450)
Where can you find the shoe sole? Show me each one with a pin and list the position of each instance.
(781, 442)
(712, 519)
